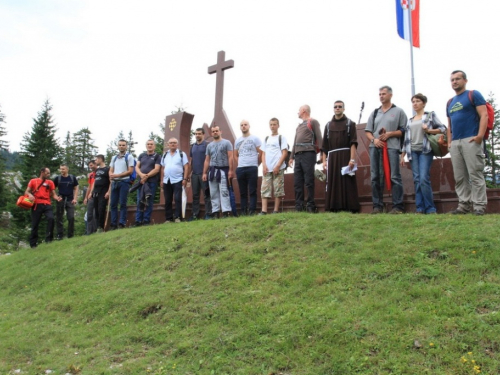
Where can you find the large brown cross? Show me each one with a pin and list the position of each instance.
(220, 118)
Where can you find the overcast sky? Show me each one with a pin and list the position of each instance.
(124, 65)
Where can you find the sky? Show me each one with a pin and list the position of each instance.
(125, 65)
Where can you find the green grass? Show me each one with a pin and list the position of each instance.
(277, 294)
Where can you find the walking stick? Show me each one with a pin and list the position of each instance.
(107, 208)
(361, 112)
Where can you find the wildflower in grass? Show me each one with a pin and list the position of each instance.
(474, 251)
(431, 344)
(469, 353)
(463, 359)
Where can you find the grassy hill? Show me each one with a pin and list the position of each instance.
(279, 294)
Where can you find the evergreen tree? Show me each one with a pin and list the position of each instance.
(158, 141)
(131, 144)
(69, 152)
(3, 180)
(83, 149)
(40, 147)
(3, 132)
(112, 148)
(492, 167)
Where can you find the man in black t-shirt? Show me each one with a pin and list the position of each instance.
(147, 168)
(67, 186)
(100, 191)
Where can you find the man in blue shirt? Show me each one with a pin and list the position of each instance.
(196, 162)
(67, 186)
(467, 121)
(174, 175)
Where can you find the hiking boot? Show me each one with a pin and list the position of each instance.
(121, 226)
(208, 217)
(177, 220)
(479, 212)
(396, 211)
(137, 224)
(459, 211)
(225, 215)
(192, 218)
(262, 213)
(377, 210)
(145, 223)
(312, 210)
(275, 212)
(113, 227)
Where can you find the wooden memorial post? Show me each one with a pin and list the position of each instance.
(220, 117)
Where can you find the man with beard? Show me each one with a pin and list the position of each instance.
(339, 150)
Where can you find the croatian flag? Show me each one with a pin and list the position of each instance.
(404, 22)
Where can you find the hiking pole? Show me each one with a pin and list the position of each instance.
(361, 112)
(108, 206)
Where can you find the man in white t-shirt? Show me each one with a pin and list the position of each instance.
(247, 156)
(275, 151)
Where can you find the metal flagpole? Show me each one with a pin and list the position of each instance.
(410, 3)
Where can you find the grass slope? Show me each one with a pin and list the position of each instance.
(279, 294)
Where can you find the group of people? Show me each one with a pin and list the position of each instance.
(389, 129)
(211, 167)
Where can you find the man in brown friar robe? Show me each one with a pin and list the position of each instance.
(339, 150)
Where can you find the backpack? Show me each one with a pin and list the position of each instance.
(327, 128)
(315, 141)
(288, 152)
(69, 175)
(489, 110)
(133, 176)
(180, 153)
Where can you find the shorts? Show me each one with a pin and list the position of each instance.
(270, 180)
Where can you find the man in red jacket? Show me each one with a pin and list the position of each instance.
(39, 191)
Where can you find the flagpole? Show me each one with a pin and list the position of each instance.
(411, 48)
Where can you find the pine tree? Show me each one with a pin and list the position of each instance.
(40, 147)
(3, 180)
(83, 149)
(131, 144)
(3, 132)
(69, 152)
(492, 167)
(112, 148)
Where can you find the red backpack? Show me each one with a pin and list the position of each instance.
(489, 110)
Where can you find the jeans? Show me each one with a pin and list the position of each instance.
(65, 204)
(144, 215)
(119, 194)
(377, 178)
(36, 215)
(197, 184)
(219, 195)
(172, 191)
(247, 182)
(303, 170)
(421, 168)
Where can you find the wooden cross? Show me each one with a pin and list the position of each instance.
(220, 118)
